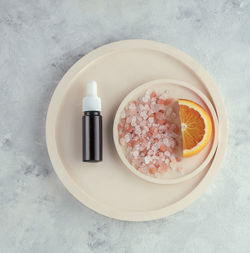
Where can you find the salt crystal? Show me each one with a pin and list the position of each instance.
(167, 153)
(127, 138)
(172, 143)
(135, 153)
(144, 115)
(155, 147)
(146, 107)
(137, 130)
(143, 123)
(133, 120)
(148, 145)
(137, 127)
(142, 147)
(122, 141)
(148, 92)
(150, 152)
(151, 120)
(132, 106)
(145, 99)
(167, 161)
(166, 142)
(162, 129)
(137, 147)
(147, 159)
(141, 107)
(133, 124)
(155, 108)
(158, 136)
(128, 120)
(163, 96)
(123, 115)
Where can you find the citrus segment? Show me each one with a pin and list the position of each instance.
(196, 127)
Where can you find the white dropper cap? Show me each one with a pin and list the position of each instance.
(91, 102)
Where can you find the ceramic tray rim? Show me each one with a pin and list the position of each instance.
(71, 185)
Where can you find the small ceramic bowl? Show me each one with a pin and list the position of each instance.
(192, 165)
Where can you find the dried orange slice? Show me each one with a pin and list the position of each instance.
(196, 127)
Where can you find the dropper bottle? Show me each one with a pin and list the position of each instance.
(91, 125)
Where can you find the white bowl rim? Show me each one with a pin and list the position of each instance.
(155, 179)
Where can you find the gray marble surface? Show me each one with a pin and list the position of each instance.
(39, 41)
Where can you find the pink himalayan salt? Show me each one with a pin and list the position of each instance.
(148, 135)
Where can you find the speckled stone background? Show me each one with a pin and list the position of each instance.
(39, 41)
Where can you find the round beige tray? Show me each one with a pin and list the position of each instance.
(109, 187)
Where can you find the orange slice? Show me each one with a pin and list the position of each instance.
(196, 127)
